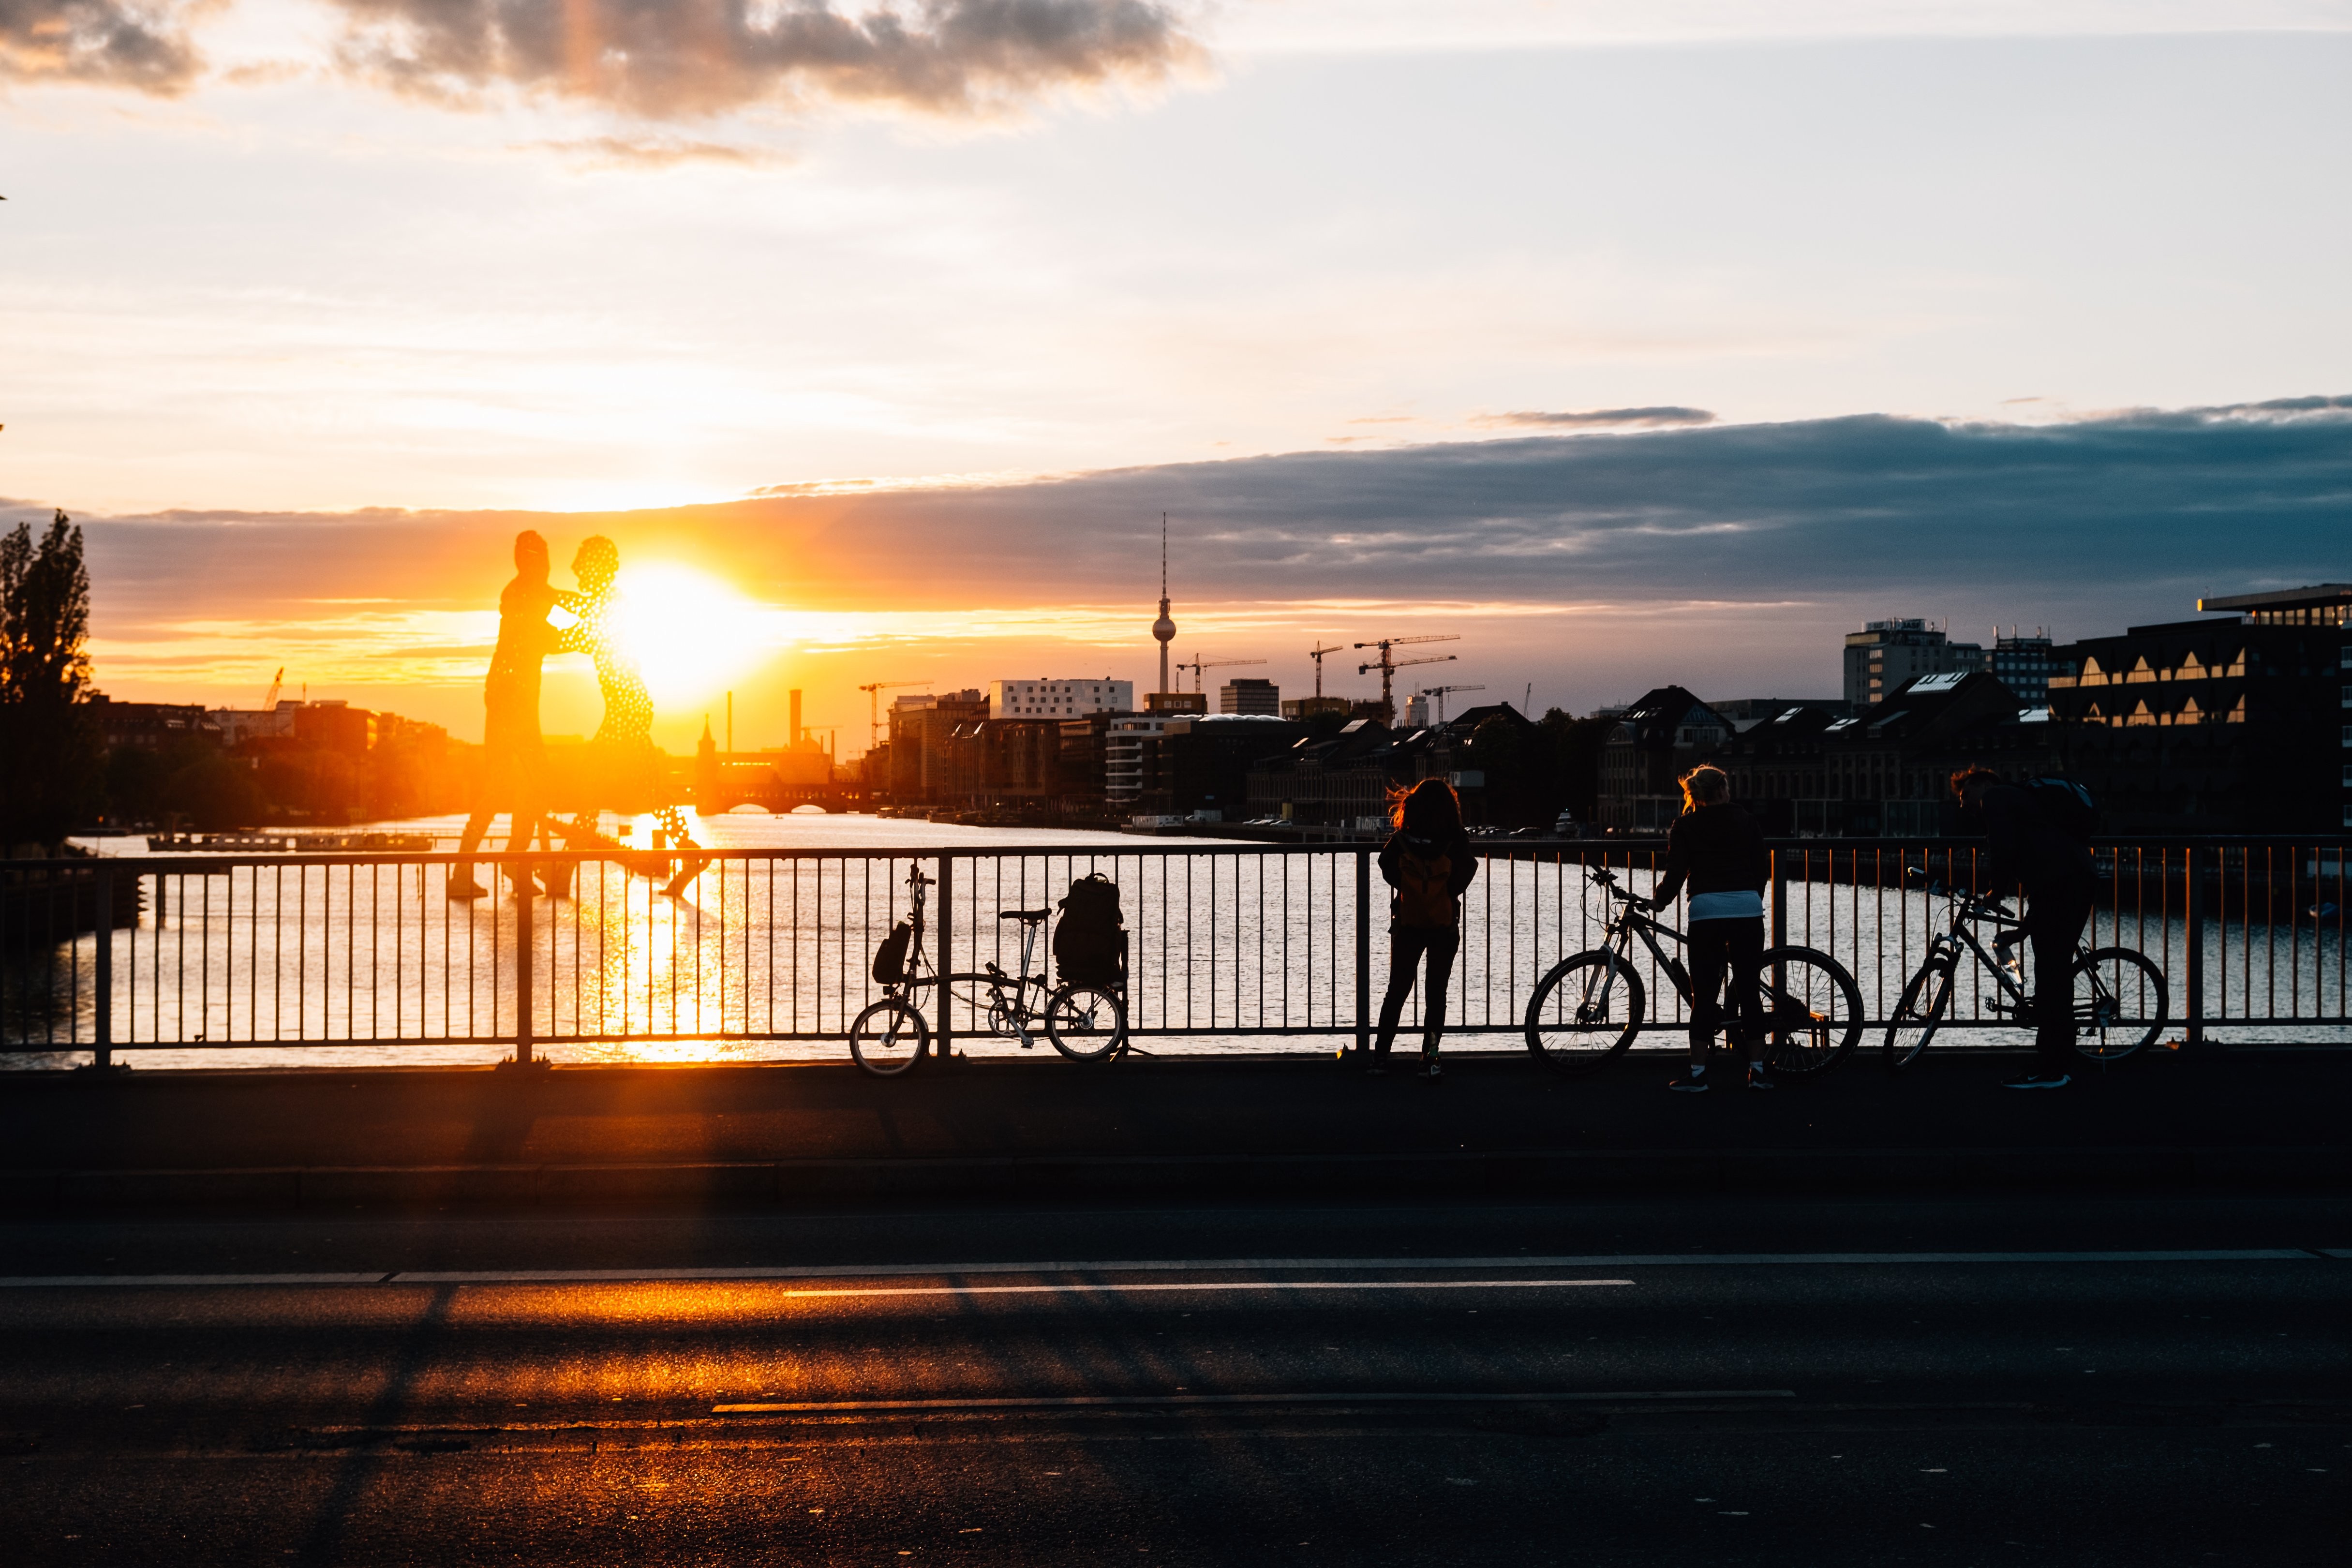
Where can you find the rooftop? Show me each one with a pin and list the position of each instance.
(2306, 598)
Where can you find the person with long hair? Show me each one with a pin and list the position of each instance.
(623, 767)
(1427, 864)
(1717, 847)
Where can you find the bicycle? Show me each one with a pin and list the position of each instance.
(1083, 1021)
(2108, 1026)
(1590, 1004)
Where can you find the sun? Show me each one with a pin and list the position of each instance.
(691, 634)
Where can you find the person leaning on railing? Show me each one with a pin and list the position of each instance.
(1428, 863)
(2027, 848)
(1717, 848)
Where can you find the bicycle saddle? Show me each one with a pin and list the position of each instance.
(1030, 915)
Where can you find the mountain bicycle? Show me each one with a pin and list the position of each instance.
(2120, 1000)
(1084, 1021)
(1591, 1005)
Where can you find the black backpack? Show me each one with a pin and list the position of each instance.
(2066, 807)
(1090, 942)
(890, 958)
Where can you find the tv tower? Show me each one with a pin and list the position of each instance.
(1163, 629)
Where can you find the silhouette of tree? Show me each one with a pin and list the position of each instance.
(50, 755)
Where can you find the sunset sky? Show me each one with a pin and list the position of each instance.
(1632, 339)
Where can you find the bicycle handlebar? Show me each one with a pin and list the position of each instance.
(1975, 903)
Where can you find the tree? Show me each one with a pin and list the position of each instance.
(50, 755)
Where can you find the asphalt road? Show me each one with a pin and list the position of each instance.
(1664, 1383)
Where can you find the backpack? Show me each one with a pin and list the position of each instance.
(1424, 892)
(1090, 941)
(890, 958)
(2066, 807)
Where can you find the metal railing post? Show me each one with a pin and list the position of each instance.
(2193, 918)
(1779, 900)
(1363, 952)
(525, 924)
(102, 1026)
(943, 1043)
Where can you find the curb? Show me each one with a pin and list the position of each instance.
(793, 1182)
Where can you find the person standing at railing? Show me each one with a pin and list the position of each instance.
(1716, 849)
(2027, 846)
(514, 758)
(1428, 866)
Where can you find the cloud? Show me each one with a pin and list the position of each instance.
(102, 42)
(638, 153)
(1649, 418)
(1728, 555)
(665, 58)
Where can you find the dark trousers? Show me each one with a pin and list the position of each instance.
(514, 769)
(1718, 947)
(1407, 945)
(2053, 923)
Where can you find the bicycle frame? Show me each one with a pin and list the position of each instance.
(1966, 917)
(1008, 1004)
(1617, 935)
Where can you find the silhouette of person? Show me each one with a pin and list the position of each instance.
(514, 758)
(623, 764)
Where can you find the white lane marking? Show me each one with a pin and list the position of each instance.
(1079, 1401)
(1198, 1287)
(1167, 1265)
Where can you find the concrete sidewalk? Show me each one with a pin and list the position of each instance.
(1162, 1127)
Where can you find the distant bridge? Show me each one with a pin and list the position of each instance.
(731, 783)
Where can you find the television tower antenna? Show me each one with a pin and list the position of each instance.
(1164, 628)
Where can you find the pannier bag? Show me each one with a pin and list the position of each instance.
(890, 958)
(2066, 807)
(1090, 942)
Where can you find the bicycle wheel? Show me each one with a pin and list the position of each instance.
(2121, 1003)
(1086, 1023)
(1585, 1011)
(889, 1038)
(1811, 1011)
(1919, 1014)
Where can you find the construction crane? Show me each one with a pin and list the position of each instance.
(1200, 664)
(269, 698)
(1440, 693)
(1317, 653)
(873, 707)
(1388, 664)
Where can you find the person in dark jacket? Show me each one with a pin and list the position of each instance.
(1716, 849)
(2026, 848)
(1427, 864)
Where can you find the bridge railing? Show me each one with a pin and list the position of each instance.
(235, 959)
